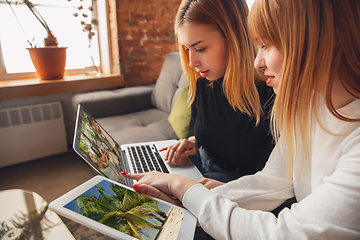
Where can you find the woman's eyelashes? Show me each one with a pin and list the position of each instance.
(263, 47)
(200, 50)
(196, 49)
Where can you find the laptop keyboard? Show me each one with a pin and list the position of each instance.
(146, 158)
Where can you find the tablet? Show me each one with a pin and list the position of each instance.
(119, 212)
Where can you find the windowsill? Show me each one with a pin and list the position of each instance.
(21, 88)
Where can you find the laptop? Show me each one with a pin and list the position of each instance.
(109, 159)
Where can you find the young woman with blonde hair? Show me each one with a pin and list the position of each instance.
(309, 50)
(229, 103)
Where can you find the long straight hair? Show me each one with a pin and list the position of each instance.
(229, 18)
(320, 41)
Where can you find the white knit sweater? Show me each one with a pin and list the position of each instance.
(328, 196)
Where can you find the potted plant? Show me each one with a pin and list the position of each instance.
(49, 60)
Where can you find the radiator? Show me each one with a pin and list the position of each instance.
(31, 132)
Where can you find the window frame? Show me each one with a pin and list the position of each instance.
(101, 14)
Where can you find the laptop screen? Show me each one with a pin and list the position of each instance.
(97, 147)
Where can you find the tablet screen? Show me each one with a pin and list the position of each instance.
(129, 212)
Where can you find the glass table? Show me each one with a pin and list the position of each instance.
(25, 215)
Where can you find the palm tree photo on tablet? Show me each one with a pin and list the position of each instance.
(129, 212)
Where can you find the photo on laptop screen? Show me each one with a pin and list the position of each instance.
(129, 214)
(98, 147)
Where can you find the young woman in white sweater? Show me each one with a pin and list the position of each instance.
(309, 50)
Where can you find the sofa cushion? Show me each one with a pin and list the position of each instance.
(106, 103)
(180, 114)
(181, 84)
(147, 125)
(169, 83)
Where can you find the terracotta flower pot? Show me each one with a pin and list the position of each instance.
(49, 61)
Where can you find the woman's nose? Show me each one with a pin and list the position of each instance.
(259, 62)
(193, 62)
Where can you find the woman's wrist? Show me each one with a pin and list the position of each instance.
(180, 185)
(193, 140)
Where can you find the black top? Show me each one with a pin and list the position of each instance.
(230, 135)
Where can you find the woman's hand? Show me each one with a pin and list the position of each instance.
(210, 183)
(183, 148)
(164, 186)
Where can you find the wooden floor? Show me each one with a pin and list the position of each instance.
(49, 177)
(52, 177)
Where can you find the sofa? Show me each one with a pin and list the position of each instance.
(141, 113)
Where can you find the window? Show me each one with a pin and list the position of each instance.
(15, 61)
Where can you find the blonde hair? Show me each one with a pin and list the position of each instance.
(229, 17)
(320, 40)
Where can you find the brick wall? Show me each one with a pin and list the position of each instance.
(145, 34)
